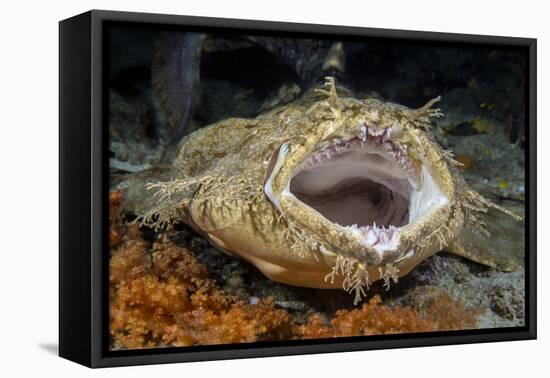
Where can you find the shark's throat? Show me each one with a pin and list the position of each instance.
(358, 187)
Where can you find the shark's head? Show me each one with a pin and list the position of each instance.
(367, 181)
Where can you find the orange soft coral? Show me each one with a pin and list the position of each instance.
(163, 297)
(373, 318)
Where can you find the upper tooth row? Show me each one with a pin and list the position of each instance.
(340, 146)
(365, 130)
(374, 227)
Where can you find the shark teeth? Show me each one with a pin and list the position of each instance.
(369, 136)
(366, 131)
(387, 134)
(363, 132)
(373, 235)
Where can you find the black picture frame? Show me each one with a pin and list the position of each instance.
(83, 270)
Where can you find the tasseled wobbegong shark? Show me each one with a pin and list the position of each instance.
(330, 191)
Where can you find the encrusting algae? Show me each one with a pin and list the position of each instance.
(161, 296)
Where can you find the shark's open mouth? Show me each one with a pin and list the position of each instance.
(366, 184)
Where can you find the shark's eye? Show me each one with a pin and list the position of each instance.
(359, 184)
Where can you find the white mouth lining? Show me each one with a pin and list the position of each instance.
(425, 198)
(268, 187)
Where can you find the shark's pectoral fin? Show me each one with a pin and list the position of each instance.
(502, 248)
(138, 199)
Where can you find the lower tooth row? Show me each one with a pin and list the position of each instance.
(372, 235)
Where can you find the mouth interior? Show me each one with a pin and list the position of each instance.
(361, 186)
